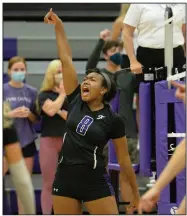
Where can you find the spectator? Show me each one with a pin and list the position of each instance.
(148, 19)
(52, 107)
(22, 98)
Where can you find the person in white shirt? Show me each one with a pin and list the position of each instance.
(116, 32)
(149, 20)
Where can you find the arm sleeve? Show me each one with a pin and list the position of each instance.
(118, 127)
(133, 15)
(74, 95)
(95, 56)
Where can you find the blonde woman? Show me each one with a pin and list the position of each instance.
(18, 169)
(52, 105)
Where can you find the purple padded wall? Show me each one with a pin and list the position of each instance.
(163, 96)
(145, 129)
(9, 48)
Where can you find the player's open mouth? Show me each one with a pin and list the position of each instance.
(85, 91)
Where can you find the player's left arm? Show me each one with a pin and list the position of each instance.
(124, 161)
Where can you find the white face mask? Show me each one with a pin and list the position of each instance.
(58, 78)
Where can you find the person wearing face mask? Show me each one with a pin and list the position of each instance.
(52, 105)
(22, 99)
(125, 81)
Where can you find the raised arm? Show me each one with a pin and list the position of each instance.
(64, 52)
(95, 55)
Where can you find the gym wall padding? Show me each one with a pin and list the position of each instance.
(145, 129)
(165, 103)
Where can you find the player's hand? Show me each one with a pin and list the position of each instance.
(136, 67)
(149, 200)
(181, 91)
(105, 34)
(133, 205)
(51, 18)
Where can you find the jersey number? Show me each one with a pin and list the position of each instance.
(84, 124)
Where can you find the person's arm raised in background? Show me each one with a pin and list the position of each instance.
(95, 55)
(131, 22)
(64, 52)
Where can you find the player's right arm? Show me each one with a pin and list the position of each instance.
(64, 52)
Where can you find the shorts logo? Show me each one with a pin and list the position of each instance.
(55, 189)
(84, 124)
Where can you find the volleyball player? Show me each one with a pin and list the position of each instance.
(81, 174)
(18, 170)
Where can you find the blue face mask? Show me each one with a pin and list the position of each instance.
(18, 76)
(116, 58)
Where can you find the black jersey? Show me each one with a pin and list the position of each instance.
(87, 132)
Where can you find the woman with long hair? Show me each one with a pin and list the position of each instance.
(52, 106)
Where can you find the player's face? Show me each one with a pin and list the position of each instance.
(91, 87)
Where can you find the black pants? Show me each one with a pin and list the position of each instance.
(155, 58)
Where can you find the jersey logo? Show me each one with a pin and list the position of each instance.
(84, 124)
(100, 117)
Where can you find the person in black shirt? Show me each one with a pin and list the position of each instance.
(52, 107)
(81, 174)
(18, 170)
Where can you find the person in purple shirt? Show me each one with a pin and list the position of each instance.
(22, 99)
